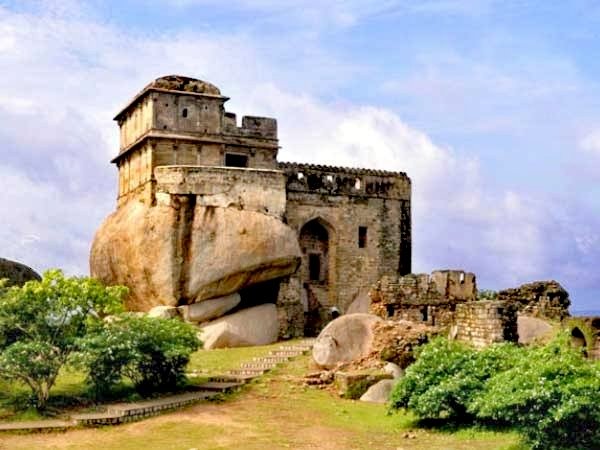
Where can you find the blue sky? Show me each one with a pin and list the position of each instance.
(492, 107)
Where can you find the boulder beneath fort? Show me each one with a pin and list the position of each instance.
(178, 252)
(345, 339)
(16, 273)
(209, 309)
(258, 325)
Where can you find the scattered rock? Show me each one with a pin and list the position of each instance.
(353, 385)
(17, 274)
(531, 329)
(379, 393)
(394, 370)
(344, 339)
(252, 326)
(209, 309)
(163, 312)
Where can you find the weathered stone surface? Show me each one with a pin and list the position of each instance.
(545, 299)
(209, 309)
(360, 304)
(180, 253)
(486, 322)
(353, 385)
(532, 328)
(251, 326)
(379, 393)
(163, 312)
(345, 339)
(16, 273)
(393, 369)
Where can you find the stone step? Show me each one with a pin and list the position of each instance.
(271, 359)
(152, 406)
(219, 386)
(288, 353)
(294, 348)
(247, 372)
(242, 379)
(258, 365)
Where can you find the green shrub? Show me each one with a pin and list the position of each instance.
(41, 322)
(487, 294)
(552, 395)
(151, 352)
(447, 376)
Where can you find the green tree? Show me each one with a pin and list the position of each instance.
(41, 322)
(151, 352)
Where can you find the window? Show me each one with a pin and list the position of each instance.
(314, 266)
(236, 160)
(184, 112)
(424, 313)
(362, 237)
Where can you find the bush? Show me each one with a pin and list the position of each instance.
(447, 376)
(552, 396)
(41, 321)
(151, 352)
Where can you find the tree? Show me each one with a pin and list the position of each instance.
(41, 322)
(151, 352)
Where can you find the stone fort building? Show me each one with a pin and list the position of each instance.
(325, 234)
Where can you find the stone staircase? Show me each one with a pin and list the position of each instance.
(128, 412)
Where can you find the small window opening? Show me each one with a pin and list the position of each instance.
(314, 266)
(462, 278)
(424, 314)
(357, 184)
(166, 104)
(362, 237)
(236, 160)
(205, 107)
(184, 112)
(329, 178)
(300, 175)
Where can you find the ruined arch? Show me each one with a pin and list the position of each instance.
(578, 340)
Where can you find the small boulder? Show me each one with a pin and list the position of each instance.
(352, 385)
(394, 370)
(209, 309)
(379, 393)
(344, 339)
(531, 329)
(258, 325)
(16, 273)
(163, 312)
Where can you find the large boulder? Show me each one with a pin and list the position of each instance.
(16, 273)
(530, 329)
(209, 309)
(344, 339)
(177, 253)
(258, 325)
(379, 393)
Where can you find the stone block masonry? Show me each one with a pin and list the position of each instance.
(486, 322)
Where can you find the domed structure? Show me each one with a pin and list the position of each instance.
(185, 84)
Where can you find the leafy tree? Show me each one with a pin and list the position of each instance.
(487, 294)
(41, 322)
(151, 352)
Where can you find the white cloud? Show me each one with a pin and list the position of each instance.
(591, 143)
(65, 76)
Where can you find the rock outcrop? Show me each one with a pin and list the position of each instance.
(251, 326)
(546, 299)
(531, 329)
(16, 273)
(182, 253)
(379, 393)
(209, 309)
(345, 339)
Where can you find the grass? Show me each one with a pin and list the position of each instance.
(276, 412)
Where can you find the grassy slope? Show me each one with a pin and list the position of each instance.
(274, 412)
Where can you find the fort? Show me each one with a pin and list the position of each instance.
(206, 210)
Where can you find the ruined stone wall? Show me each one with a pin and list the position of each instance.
(342, 201)
(482, 323)
(429, 299)
(545, 299)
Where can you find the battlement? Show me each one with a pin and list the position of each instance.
(252, 126)
(334, 180)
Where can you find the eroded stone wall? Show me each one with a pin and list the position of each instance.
(545, 299)
(424, 298)
(482, 323)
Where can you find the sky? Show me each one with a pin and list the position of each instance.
(491, 107)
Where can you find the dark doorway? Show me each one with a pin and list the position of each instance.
(314, 267)
(314, 241)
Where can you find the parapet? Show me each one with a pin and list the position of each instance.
(334, 180)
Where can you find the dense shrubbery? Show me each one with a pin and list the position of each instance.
(150, 352)
(44, 325)
(41, 322)
(550, 393)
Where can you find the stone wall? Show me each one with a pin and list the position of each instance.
(482, 323)
(430, 299)
(361, 218)
(545, 299)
